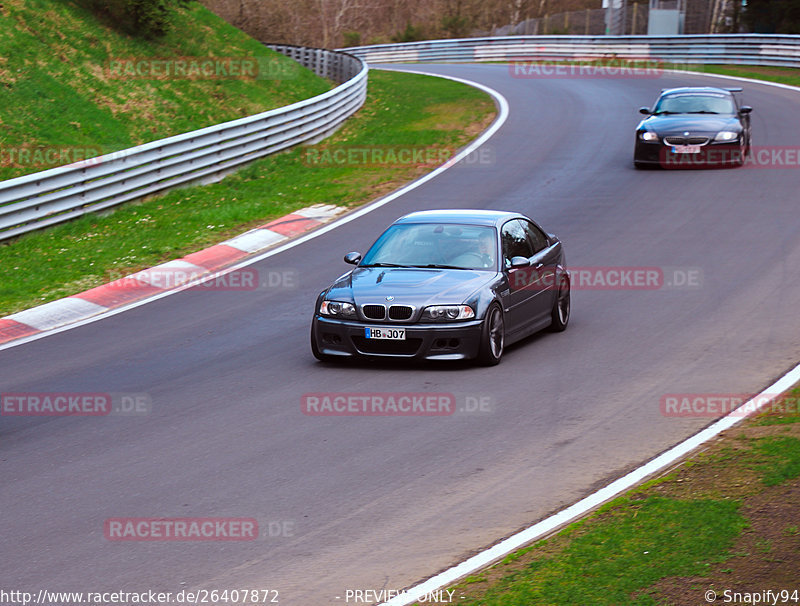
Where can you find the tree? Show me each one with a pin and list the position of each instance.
(773, 16)
(142, 18)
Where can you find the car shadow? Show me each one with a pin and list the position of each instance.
(393, 363)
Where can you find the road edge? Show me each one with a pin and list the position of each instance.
(138, 289)
(651, 468)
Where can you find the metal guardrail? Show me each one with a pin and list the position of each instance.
(339, 66)
(59, 194)
(745, 49)
(52, 196)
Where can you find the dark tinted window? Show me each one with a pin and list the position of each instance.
(536, 236)
(515, 241)
(694, 103)
(422, 244)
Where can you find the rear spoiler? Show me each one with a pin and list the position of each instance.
(732, 89)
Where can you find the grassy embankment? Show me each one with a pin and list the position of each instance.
(402, 112)
(68, 82)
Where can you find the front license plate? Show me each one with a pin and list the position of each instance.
(391, 334)
(685, 149)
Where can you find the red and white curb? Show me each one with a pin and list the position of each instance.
(64, 314)
(167, 276)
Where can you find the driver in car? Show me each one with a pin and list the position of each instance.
(486, 248)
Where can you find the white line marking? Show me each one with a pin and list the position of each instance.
(585, 505)
(594, 500)
(570, 513)
(495, 126)
(740, 78)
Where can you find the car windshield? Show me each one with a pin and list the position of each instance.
(442, 245)
(693, 103)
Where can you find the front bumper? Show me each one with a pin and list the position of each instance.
(445, 341)
(711, 154)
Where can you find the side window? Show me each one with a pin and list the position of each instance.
(536, 236)
(515, 241)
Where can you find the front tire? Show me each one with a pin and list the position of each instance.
(561, 306)
(743, 150)
(492, 337)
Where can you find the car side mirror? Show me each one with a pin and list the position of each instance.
(645, 110)
(352, 258)
(517, 262)
(745, 109)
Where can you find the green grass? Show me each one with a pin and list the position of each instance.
(59, 90)
(624, 552)
(402, 111)
(784, 412)
(669, 532)
(777, 459)
(680, 533)
(783, 75)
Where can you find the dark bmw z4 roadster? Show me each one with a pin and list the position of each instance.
(694, 127)
(445, 285)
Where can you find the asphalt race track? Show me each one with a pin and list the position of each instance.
(383, 502)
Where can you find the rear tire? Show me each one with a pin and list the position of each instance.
(561, 306)
(493, 337)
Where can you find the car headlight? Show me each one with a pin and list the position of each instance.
(648, 135)
(337, 309)
(448, 313)
(726, 135)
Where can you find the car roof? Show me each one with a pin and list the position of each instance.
(696, 89)
(461, 216)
